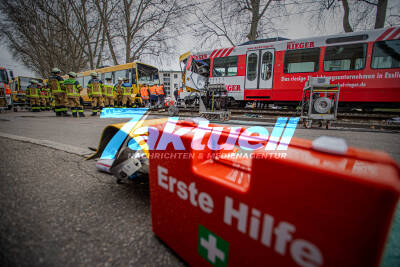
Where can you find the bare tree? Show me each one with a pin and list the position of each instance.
(80, 34)
(236, 21)
(257, 10)
(147, 26)
(106, 10)
(37, 40)
(355, 15)
(91, 27)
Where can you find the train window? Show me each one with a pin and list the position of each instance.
(128, 74)
(156, 78)
(80, 80)
(108, 75)
(3, 76)
(301, 60)
(225, 66)
(85, 81)
(266, 66)
(120, 74)
(344, 39)
(252, 67)
(345, 57)
(23, 83)
(133, 72)
(386, 55)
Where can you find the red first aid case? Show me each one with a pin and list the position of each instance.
(314, 204)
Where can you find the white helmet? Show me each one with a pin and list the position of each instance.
(55, 70)
(72, 74)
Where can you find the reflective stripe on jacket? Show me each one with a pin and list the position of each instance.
(118, 89)
(126, 89)
(108, 90)
(72, 87)
(159, 90)
(32, 91)
(43, 92)
(56, 84)
(144, 93)
(153, 90)
(95, 87)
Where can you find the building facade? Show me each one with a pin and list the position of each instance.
(171, 80)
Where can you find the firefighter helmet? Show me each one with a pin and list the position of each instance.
(33, 81)
(120, 79)
(72, 74)
(93, 74)
(55, 70)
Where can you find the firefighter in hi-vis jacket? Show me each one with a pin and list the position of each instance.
(126, 93)
(55, 84)
(44, 97)
(48, 97)
(108, 93)
(33, 93)
(73, 89)
(118, 92)
(95, 89)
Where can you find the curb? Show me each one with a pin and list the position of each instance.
(51, 144)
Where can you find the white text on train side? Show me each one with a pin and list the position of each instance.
(233, 87)
(294, 45)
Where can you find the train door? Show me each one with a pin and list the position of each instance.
(251, 70)
(266, 69)
(259, 69)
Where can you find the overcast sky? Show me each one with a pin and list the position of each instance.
(296, 26)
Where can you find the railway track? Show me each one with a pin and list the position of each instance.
(374, 116)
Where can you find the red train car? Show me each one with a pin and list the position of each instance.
(366, 65)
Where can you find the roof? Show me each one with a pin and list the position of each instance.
(268, 40)
(115, 68)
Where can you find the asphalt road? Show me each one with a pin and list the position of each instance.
(56, 209)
